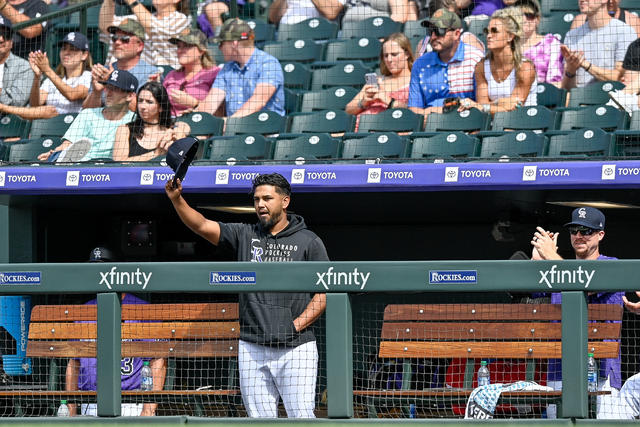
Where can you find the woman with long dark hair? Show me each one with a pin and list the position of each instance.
(152, 130)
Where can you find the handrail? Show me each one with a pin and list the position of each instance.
(81, 7)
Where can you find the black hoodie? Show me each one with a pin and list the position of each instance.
(266, 318)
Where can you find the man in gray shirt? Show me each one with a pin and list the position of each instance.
(17, 76)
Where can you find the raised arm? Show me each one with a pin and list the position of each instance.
(13, 15)
(399, 10)
(277, 11)
(205, 228)
(77, 93)
(144, 16)
(107, 12)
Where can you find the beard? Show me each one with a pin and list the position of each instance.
(268, 224)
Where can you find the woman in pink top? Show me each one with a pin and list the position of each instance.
(392, 90)
(190, 84)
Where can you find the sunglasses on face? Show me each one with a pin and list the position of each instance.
(440, 32)
(492, 30)
(123, 39)
(530, 16)
(585, 231)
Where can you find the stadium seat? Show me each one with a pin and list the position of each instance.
(163, 70)
(55, 126)
(239, 149)
(300, 50)
(263, 31)
(557, 23)
(28, 150)
(14, 127)
(215, 53)
(344, 74)
(476, 27)
(365, 49)
(628, 141)
(588, 142)
(414, 29)
(593, 94)
(526, 118)
(605, 117)
(316, 147)
(550, 6)
(377, 27)
(550, 96)
(292, 101)
(513, 144)
(325, 121)
(261, 122)
(203, 124)
(443, 145)
(296, 75)
(393, 120)
(313, 29)
(378, 146)
(335, 98)
(472, 120)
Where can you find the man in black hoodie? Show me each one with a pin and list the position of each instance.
(277, 353)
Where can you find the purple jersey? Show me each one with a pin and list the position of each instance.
(130, 367)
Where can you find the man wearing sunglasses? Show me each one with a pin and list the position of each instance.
(447, 71)
(586, 231)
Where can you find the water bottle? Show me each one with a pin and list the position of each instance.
(592, 373)
(412, 410)
(63, 410)
(147, 379)
(483, 374)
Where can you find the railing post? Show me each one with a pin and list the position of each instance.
(83, 22)
(109, 355)
(575, 402)
(339, 356)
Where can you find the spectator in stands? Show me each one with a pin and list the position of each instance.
(482, 9)
(616, 12)
(17, 76)
(543, 51)
(627, 98)
(152, 131)
(294, 11)
(65, 88)
(190, 84)
(594, 51)
(430, 83)
(392, 90)
(82, 373)
(359, 10)
(466, 37)
(170, 19)
(250, 80)
(31, 38)
(586, 231)
(504, 80)
(95, 128)
(277, 354)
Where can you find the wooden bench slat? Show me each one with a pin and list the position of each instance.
(494, 350)
(178, 312)
(80, 393)
(160, 349)
(487, 331)
(164, 330)
(489, 312)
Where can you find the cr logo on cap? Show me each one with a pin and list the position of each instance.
(582, 213)
(114, 76)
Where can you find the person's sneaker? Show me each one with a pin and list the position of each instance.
(624, 100)
(75, 152)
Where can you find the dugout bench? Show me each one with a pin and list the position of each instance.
(523, 333)
(176, 332)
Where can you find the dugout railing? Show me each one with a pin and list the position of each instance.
(332, 278)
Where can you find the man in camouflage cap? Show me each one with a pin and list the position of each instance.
(447, 71)
(250, 80)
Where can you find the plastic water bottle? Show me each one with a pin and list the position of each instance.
(63, 410)
(147, 379)
(483, 374)
(592, 373)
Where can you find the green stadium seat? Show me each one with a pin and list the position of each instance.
(313, 28)
(238, 149)
(292, 101)
(296, 75)
(163, 70)
(587, 142)
(203, 124)
(443, 145)
(377, 27)
(55, 126)
(513, 144)
(630, 4)
(550, 96)
(593, 94)
(476, 27)
(14, 127)
(314, 148)
(343, 74)
(263, 31)
(605, 117)
(550, 6)
(335, 98)
(413, 29)
(295, 50)
(215, 53)
(325, 121)
(557, 23)
(365, 49)
(526, 118)
(393, 120)
(376, 146)
(261, 122)
(28, 150)
(628, 141)
(472, 120)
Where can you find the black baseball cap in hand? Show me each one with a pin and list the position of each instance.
(180, 155)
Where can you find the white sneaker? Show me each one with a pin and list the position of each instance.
(624, 100)
(75, 152)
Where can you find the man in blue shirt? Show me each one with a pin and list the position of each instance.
(250, 80)
(447, 71)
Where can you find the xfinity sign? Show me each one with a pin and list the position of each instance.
(115, 277)
(554, 276)
(342, 278)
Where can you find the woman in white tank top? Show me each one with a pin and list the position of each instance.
(505, 79)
